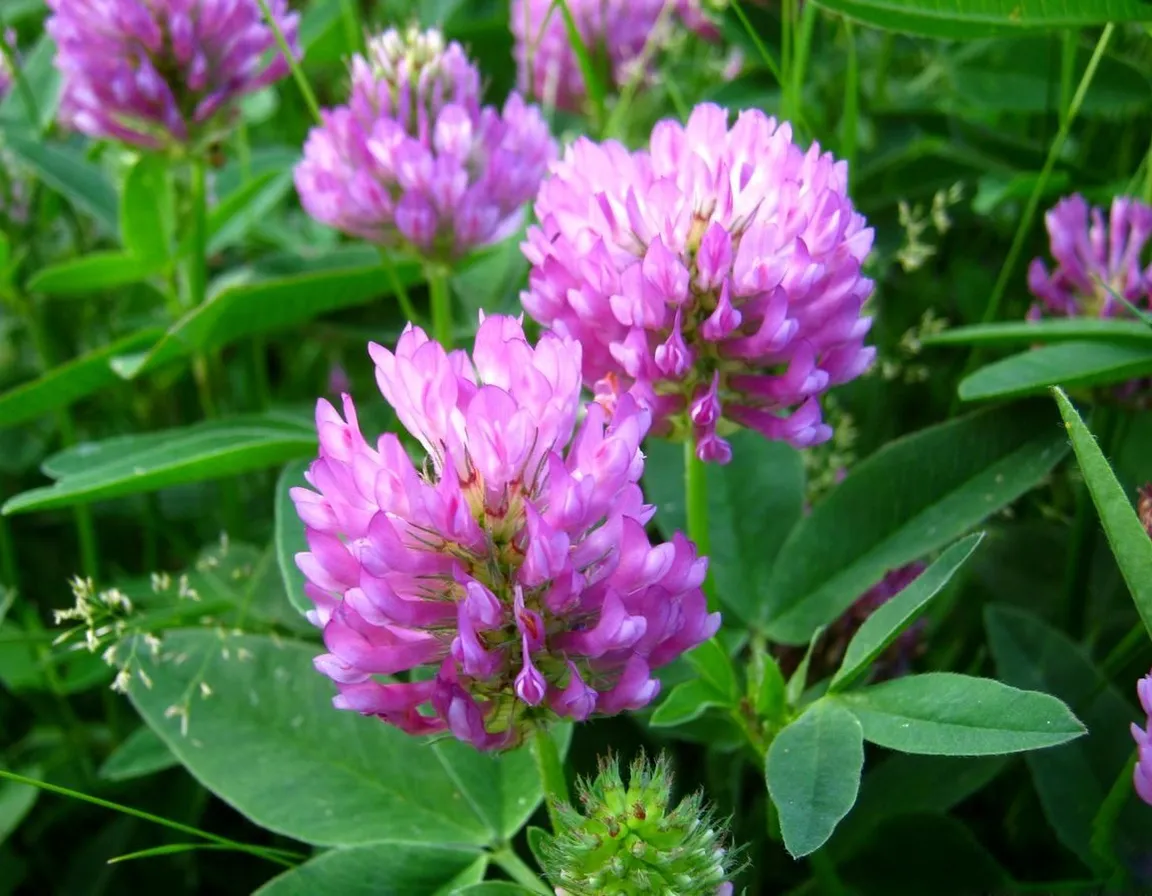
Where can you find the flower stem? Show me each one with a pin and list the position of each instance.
(515, 867)
(441, 298)
(398, 287)
(293, 62)
(696, 505)
(551, 773)
(850, 123)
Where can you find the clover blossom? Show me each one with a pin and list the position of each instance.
(621, 33)
(414, 160)
(513, 565)
(1142, 774)
(164, 74)
(1093, 260)
(715, 276)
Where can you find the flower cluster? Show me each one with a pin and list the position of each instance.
(895, 661)
(164, 74)
(514, 565)
(628, 839)
(7, 76)
(716, 276)
(413, 159)
(1142, 775)
(623, 34)
(1093, 260)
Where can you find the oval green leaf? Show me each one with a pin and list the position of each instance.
(970, 19)
(140, 753)
(1126, 534)
(813, 772)
(1043, 332)
(146, 218)
(268, 742)
(377, 869)
(93, 272)
(1069, 364)
(687, 701)
(946, 714)
(884, 625)
(910, 498)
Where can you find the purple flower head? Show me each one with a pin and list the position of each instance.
(7, 76)
(622, 33)
(1093, 257)
(1142, 776)
(414, 161)
(163, 74)
(716, 276)
(513, 563)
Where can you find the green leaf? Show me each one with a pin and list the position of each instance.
(40, 76)
(94, 272)
(770, 696)
(687, 701)
(946, 714)
(140, 753)
(1068, 364)
(66, 171)
(798, 682)
(910, 498)
(248, 306)
(354, 780)
(1126, 534)
(885, 625)
(813, 773)
(1071, 781)
(145, 218)
(231, 220)
(1043, 332)
(289, 536)
(753, 503)
(376, 869)
(711, 660)
(195, 455)
(64, 385)
(969, 19)
(537, 839)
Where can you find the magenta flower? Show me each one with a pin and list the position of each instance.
(1093, 257)
(623, 33)
(163, 74)
(7, 76)
(513, 564)
(413, 160)
(1142, 775)
(715, 276)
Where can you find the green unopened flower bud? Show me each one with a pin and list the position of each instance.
(627, 841)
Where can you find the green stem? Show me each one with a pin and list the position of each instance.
(696, 508)
(1103, 840)
(1104, 423)
(802, 39)
(787, 26)
(850, 124)
(441, 298)
(1025, 226)
(197, 271)
(273, 855)
(551, 773)
(512, 865)
(1068, 47)
(293, 63)
(883, 63)
(398, 287)
(765, 53)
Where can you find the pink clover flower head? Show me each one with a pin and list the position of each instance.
(7, 76)
(622, 33)
(1092, 257)
(163, 74)
(414, 161)
(1142, 776)
(513, 564)
(715, 276)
